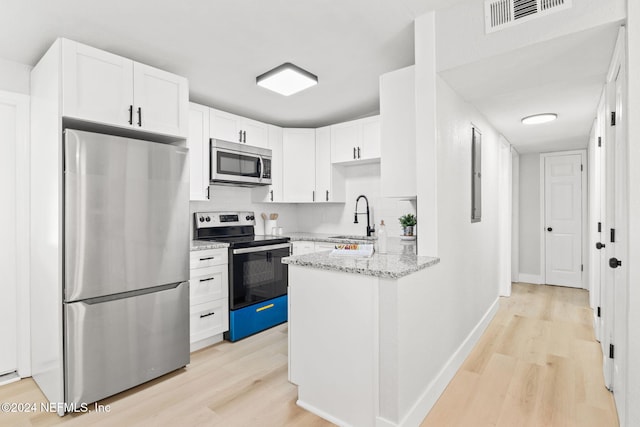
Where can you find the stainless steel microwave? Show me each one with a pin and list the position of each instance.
(239, 164)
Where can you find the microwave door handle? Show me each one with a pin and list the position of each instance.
(260, 168)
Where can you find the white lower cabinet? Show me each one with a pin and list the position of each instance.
(209, 297)
(302, 248)
(324, 246)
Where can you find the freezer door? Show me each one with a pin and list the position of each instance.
(113, 345)
(126, 214)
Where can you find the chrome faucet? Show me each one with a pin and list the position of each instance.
(355, 216)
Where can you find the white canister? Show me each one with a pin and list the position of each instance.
(269, 225)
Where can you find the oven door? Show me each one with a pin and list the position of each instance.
(257, 274)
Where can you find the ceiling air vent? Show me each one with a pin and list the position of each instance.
(500, 14)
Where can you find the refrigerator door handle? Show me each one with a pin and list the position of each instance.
(130, 294)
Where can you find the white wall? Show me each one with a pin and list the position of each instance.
(633, 71)
(466, 279)
(530, 224)
(338, 218)
(461, 37)
(14, 76)
(239, 198)
(515, 215)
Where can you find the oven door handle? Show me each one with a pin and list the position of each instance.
(261, 248)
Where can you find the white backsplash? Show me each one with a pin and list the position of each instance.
(318, 218)
(239, 198)
(338, 218)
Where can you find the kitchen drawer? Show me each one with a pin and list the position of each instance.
(208, 257)
(208, 284)
(209, 319)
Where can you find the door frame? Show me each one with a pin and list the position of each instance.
(585, 209)
(22, 247)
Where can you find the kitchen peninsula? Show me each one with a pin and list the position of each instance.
(361, 331)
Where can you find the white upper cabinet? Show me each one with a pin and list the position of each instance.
(275, 191)
(299, 152)
(329, 178)
(160, 99)
(357, 141)
(398, 133)
(198, 144)
(234, 128)
(97, 85)
(104, 88)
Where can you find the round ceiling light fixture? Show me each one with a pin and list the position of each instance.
(539, 118)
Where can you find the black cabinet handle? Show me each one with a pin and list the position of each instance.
(599, 245)
(240, 136)
(206, 259)
(614, 263)
(358, 152)
(313, 196)
(207, 315)
(244, 136)
(271, 195)
(130, 114)
(354, 152)
(327, 195)
(140, 116)
(549, 229)
(206, 280)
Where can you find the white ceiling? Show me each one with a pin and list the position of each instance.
(221, 46)
(564, 76)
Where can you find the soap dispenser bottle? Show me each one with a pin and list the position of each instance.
(382, 238)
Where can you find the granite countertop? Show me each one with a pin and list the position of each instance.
(400, 261)
(199, 245)
(330, 238)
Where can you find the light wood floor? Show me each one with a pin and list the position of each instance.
(536, 365)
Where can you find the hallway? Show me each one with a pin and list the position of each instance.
(537, 364)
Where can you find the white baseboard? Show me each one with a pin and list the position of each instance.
(321, 414)
(9, 378)
(436, 387)
(530, 278)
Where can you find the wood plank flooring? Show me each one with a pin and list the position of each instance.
(536, 365)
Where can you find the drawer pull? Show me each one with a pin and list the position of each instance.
(206, 280)
(264, 308)
(207, 315)
(206, 259)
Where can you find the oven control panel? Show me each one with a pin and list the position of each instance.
(223, 219)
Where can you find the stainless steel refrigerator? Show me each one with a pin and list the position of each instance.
(126, 263)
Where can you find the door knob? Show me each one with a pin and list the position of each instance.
(549, 229)
(614, 263)
(600, 245)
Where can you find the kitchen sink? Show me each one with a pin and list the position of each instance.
(366, 238)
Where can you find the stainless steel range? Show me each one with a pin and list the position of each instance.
(258, 279)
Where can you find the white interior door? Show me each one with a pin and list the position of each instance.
(618, 248)
(563, 219)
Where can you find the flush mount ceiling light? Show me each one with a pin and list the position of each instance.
(287, 79)
(539, 118)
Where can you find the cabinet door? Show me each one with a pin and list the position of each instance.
(161, 101)
(345, 138)
(323, 164)
(370, 146)
(225, 126)
(257, 133)
(97, 86)
(299, 152)
(198, 144)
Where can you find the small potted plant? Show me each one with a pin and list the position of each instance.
(407, 222)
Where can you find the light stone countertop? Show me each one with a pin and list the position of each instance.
(400, 260)
(325, 237)
(199, 245)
